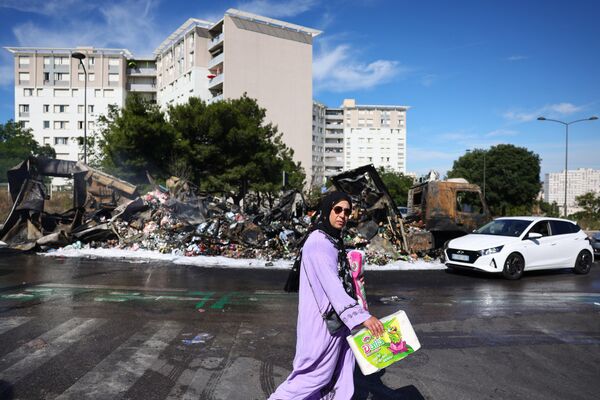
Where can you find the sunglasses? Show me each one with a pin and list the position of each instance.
(339, 209)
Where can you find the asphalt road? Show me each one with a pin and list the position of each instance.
(97, 329)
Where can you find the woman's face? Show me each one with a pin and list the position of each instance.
(339, 214)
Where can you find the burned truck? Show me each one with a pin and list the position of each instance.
(437, 210)
(448, 209)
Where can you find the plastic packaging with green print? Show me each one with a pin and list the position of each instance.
(384, 350)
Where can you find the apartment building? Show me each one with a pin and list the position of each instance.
(243, 53)
(49, 92)
(318, 144)
(356, 135)
(579, 182)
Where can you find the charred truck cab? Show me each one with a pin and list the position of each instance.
(448, 209)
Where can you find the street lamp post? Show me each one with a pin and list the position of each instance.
(566, 124)
(81, 57)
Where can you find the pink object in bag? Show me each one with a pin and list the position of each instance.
(355, 259)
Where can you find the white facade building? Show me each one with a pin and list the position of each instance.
(579, 181)
(356, 135)
(49, 93)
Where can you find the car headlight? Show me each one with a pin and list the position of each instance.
(490, 251)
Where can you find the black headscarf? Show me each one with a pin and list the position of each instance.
(335, 237)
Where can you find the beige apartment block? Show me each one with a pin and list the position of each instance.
(243, 53)
(579, 182)
(49, 92)
(356, 135)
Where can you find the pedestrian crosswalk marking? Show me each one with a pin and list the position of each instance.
(113, 376)
(6, 324)
(23, 360)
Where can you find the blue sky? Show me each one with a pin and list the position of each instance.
(475, 73)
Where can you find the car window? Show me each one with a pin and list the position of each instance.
(541, 228)
(504, 227)
(562, 227)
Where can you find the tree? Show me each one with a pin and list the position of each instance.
(512, 177)
(136, 139)
(589, 217)
(16, 144)
(397, 184)
(232, 149)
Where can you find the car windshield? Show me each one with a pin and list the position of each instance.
(504, 227)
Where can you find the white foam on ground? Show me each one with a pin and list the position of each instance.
(219, 261)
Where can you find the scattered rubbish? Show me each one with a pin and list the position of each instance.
(393, 299)
(177, 220)
(200, 338)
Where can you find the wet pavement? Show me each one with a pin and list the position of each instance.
(106, 329)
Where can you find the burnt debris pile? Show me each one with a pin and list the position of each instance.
(176, 219)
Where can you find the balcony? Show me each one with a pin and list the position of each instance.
(141, 71)
(216, 61)
(23, 114)
(214, 42)
(141, 87)
(334, 117)
(218, 97)
(216, 82)
(334, 126)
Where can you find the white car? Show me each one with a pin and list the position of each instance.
(512, 245)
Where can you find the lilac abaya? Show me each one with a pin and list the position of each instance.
(324, 364)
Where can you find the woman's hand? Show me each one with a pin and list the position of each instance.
(374, 325)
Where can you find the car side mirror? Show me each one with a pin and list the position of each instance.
(533, 235)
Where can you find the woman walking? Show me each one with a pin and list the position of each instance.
(324, 364)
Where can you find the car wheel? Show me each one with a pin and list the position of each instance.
(513, 266)
(583, 264)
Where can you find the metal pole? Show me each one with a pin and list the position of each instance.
(84, 113)
(485, 151)
(566, 163)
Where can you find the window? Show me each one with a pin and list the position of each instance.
(46, 77)
(46, 60)
(46, 124)
(23, 108)
(23, 76)
(61, 125)
(114, 62)
(61, 92)
(97, 92)
(61, 76)
(27, 92)
(61, 140)
(80, 125)
(92, 77)
(80, 109)
(40, 92)
(109, 93)
(541, 228)
(91, 109)
(46, 140)
(468, 202)
(563, 227)
(23, 61)
(81, 77)
(113, 77)
(91, 61)
(61, 60)
(61, 108)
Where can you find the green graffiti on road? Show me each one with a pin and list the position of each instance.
(201, 300)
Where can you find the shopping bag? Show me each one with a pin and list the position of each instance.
(397, 342)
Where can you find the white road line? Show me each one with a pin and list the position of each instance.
(124, 366)
(6, 324)
(25, 359)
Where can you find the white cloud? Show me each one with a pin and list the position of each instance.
(277, 9)
(516, 58)
(549, 111)
(338, 70)
(127, 24)
(49, 7)
(428, 80)
(501, 132)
